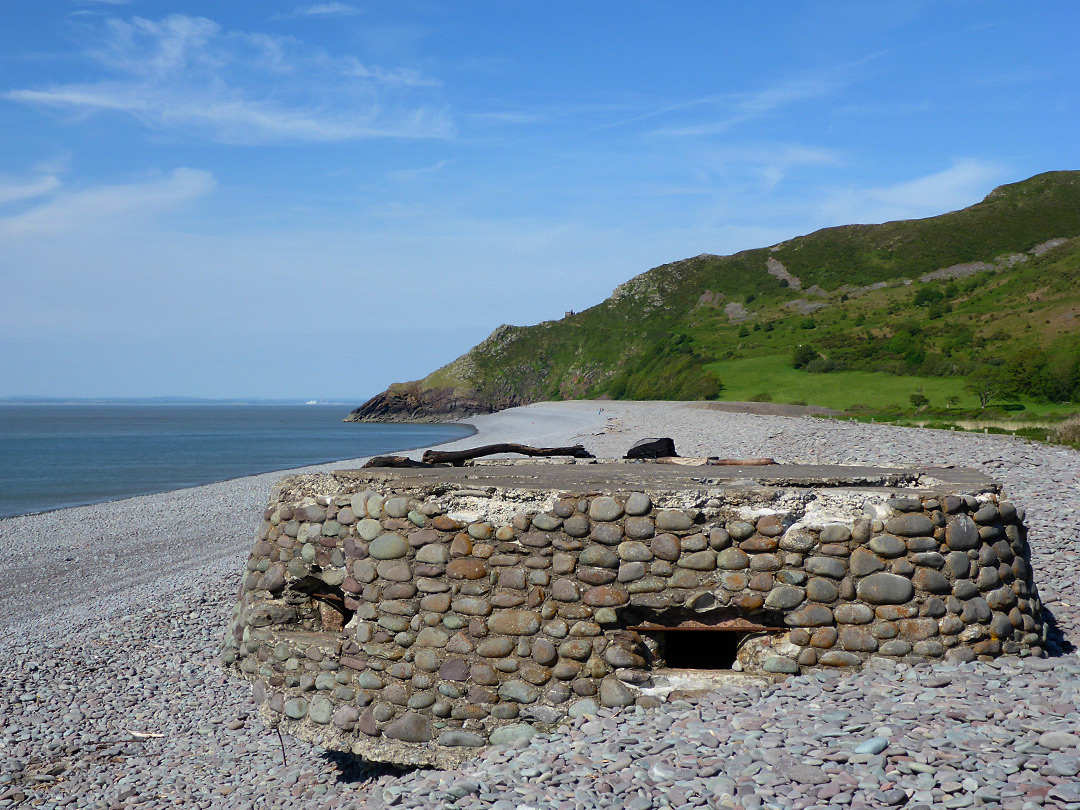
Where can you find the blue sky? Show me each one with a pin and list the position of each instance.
(315, 199)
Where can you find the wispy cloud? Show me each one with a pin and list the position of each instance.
(742, 107)
(721, 112)
(188, 73)
(956, 187)
(71, 211)
(742, 170)
(12, 191)
(320, 10)
(508, 117)
(718, 113)
(406, 77)
(770, 162)
(234, 119)
(409, 175)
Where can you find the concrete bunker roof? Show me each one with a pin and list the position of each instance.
(622, 476)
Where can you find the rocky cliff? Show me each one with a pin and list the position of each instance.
(410, 402)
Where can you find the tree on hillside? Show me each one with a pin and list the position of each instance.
(1043, 376)
(987, 383)
(804, 355)
(927, 296)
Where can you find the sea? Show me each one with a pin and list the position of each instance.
(54, 456)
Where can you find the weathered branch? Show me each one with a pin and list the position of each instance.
(739, 462)
(713, 461)
(457, 457)
(394, 461)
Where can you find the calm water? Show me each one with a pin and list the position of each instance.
(55, 456)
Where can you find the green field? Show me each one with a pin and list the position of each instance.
(747, 378)
(772, 375)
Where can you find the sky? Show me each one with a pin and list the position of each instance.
(315, 199)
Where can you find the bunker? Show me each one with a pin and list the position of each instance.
(414, 616)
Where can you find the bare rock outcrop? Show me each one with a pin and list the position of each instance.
(408, 402)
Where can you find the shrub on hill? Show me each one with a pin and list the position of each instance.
(803, 356)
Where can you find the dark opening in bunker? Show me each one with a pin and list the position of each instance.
(699, 649)
(704, 642)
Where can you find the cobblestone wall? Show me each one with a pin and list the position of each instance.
(416, 626)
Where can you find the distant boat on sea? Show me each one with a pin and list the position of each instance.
(312, 402)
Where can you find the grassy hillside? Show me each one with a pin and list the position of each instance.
(856, 315)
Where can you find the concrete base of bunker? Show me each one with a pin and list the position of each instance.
(414, 616)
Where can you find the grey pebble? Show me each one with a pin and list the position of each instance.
(875, 745)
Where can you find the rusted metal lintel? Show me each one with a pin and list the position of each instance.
(735, 626)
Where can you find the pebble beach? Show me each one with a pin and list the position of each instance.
(111, 694)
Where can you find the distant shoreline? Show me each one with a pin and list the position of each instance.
(56, 456)
(282, 472)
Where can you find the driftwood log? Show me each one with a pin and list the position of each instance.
(394, 461)
(713, 461)
(458, 457)
(739, 462)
